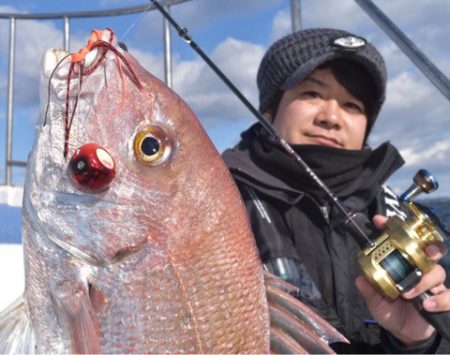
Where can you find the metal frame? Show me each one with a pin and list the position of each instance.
(422, 62)
(9, 104)
(296, 15)
(167, 50)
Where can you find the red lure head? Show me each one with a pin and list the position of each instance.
(92, 167)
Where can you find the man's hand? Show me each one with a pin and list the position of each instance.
(400, 317)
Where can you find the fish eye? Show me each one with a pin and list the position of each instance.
(151, 146)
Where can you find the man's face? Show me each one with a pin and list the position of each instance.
(321, 111)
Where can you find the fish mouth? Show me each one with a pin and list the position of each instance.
(56, 67)
(57, 62)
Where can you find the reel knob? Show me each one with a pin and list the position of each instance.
(423, 182)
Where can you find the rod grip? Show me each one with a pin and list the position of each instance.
(439, 320)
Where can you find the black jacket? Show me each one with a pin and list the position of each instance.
(293, 221)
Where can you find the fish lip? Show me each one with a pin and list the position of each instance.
(54, 58)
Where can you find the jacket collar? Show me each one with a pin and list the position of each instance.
(383, 161)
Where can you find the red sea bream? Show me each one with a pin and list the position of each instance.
(135, 237)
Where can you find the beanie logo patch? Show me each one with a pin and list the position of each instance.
(349, 42)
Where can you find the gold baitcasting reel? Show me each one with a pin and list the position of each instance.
(396, 260)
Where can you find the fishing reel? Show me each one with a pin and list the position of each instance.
(395, 262)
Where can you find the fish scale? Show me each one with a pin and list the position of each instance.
(150, 318)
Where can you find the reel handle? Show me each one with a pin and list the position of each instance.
(439, 320)
(423, 181)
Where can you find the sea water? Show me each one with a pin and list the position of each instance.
(441, 207)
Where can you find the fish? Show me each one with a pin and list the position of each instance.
(135, 237)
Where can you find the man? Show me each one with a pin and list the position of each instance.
(322, 90)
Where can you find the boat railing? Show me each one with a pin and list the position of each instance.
(437, 78)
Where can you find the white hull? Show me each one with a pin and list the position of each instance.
(11, 273)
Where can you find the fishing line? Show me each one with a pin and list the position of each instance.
(80, 83)
(138, 19)
(183, 33)
(49, 87)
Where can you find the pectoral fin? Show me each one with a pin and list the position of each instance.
(297, 330)
(78, 318)
(282, 343)
(291, 320)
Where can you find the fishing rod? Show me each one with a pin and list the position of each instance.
(184, 34)
(393, 262)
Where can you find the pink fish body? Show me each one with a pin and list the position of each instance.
(134, 234)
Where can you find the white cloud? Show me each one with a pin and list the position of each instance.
(187, 73)
(153, 63)
(206, 93)
(282, 25)
(405, 91)
(407, 13)
(343, 14)
(32, 39)
(438, 153)
(239, 59)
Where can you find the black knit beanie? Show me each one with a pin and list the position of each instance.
(292, 58)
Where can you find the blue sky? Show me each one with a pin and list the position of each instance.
(235, 33)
